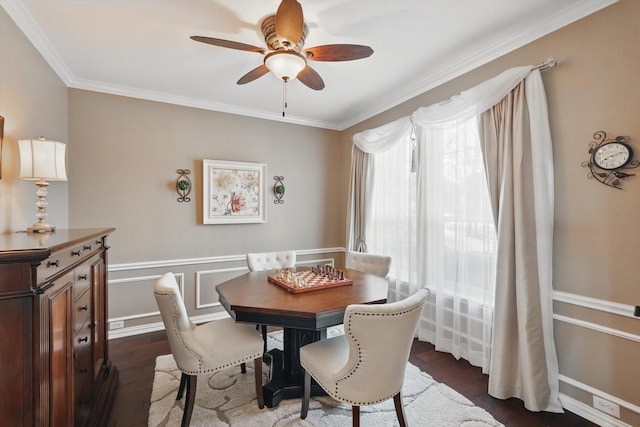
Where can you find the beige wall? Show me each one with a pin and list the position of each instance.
(597, 232)
(123, 172)
(33, 102)
(124, 154)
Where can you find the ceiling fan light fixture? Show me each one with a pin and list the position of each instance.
(285, 64)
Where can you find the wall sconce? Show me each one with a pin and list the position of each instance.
(42, 160)
(183, 185)
(278, 190)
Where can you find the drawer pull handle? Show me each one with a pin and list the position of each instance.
(83, 277)
(85, 339)
(75, 253)
(87, 247)
(55, 263)
(83, 370)
(84, 308)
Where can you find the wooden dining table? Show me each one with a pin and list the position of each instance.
(304, 318)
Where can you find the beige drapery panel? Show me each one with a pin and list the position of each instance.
(365, 145)
(359, 194)
(523, 356)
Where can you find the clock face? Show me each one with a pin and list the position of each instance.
(612, 155)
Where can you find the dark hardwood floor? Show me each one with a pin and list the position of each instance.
(135, 359)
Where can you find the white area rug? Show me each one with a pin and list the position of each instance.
(227, 398)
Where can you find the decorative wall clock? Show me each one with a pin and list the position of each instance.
(609, 158)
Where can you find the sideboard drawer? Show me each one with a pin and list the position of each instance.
(81, 312)
(82, 280)
(58, 262)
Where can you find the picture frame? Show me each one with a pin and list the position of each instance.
(233, 192)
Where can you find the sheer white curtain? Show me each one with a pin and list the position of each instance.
(393, 216)
(456, 242)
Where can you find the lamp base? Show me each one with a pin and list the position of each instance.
(41, 228)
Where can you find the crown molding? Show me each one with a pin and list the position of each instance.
(202, 104)
(20, 15)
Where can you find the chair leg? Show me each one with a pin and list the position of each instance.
(397, 401)
(355, 416)
(258, 377)
(243, 368)
(263, 330)
(183, 381)
(306, 394)
(191, 382)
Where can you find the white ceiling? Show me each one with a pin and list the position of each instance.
(142, 49)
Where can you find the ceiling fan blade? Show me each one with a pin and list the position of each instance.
(253, 74)
(338, 52)
(290, 21)
(228, 43)
(310, 78)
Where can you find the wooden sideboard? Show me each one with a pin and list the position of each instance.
(54, 361)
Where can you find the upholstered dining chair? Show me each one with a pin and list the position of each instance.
(271, 260)
(207, 348)
(261, 261)
(368, 263)
(366, 365)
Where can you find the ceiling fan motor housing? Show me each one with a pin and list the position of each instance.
(278, 43)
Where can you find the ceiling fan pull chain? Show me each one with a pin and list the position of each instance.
(284, 95)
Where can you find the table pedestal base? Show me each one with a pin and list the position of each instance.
(286, 380)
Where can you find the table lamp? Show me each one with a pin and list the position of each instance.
(42, 160)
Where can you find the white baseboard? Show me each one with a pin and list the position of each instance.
(589, 413)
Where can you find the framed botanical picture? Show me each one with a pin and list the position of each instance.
(233, 192)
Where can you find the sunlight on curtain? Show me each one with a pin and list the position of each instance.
(448, 225)
(392, 229)
(457, 242)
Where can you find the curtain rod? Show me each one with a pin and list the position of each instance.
(548, 63)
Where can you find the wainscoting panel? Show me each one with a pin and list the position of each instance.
(132, 307)
(597, 340)
(121, 305)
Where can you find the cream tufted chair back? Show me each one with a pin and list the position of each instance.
(271, 260)
(207, 348)
(261, 261)
(366, 365)
(368, 263)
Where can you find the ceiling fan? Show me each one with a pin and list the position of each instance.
(285, 56)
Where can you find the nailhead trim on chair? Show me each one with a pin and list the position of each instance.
(228, 365)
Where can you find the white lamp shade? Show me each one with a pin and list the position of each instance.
(285, 64)
(42, 159)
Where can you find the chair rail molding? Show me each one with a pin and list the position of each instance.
(209, 260)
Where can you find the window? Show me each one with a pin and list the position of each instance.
(436, 224)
